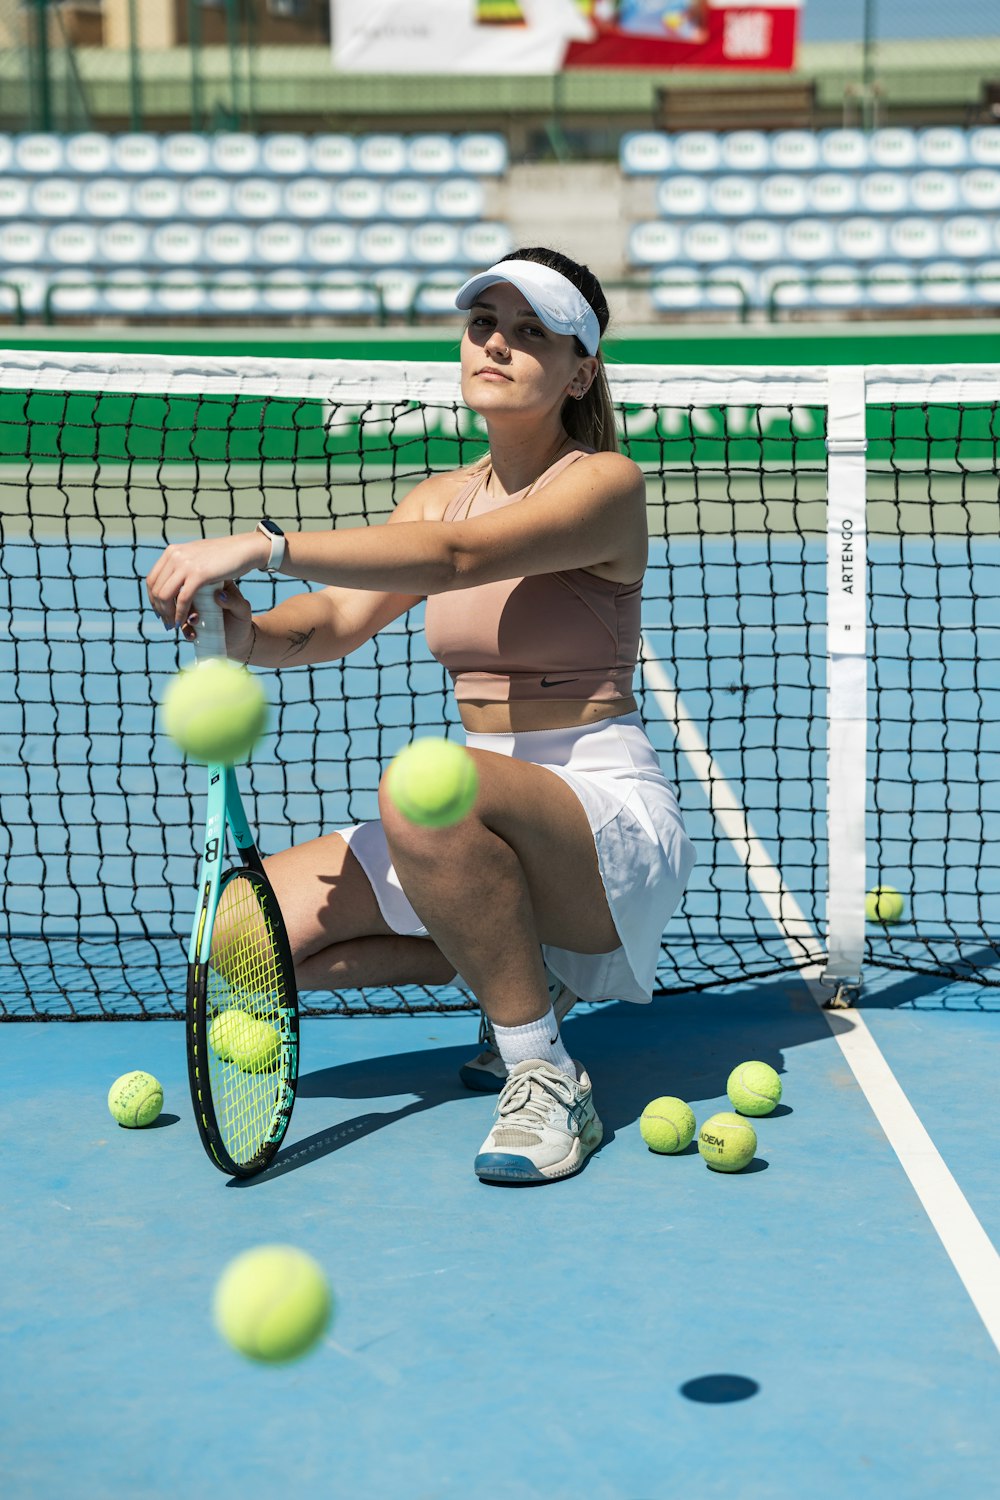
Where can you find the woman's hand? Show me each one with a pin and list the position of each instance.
(237, 619)
(185, 567)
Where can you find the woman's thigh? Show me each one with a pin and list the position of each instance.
(324, 894)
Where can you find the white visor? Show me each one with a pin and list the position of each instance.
(552, 295)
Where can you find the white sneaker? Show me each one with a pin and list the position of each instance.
(487, 1073)
(546, 1126)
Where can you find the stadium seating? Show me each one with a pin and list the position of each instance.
(187, 224)
(835, 218)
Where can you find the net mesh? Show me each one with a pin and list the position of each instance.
(99, 818)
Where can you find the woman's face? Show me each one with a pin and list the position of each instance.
(512, 363)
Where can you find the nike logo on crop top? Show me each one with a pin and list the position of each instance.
(557, 681)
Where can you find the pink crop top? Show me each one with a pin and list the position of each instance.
(554, 635)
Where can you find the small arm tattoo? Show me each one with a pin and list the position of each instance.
(298, 640)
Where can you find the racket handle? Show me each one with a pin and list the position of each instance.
(210, 630)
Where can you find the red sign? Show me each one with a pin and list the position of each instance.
(702, 34)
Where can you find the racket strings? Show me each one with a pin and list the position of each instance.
(245, 1007)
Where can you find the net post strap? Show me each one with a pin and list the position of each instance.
(847, 671)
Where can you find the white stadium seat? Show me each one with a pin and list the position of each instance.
(483, 244)
(88, 153)
(233, 292)
(22, 243)
(678, 288)
(745, 151)
(280, 244)
(382, 155)
(794, 151)
(893, 147)
(697, 151)
(984, 146)
(884, 192)
(398, 287)
(206, 198)
(434, 293)
(980, 189)
(407, 198)
(645, 153)
(860, 239)
(123, 243)
(942, 146)
(481, 155)
(934, 192)
(136, 154)
(128, 291)
(984, 286)
(783, 195)
(156, 198)
(181, 244)
(832, 193)
(705, 243)
(72, 244)
(967, 236)
(15, 194)
(357, 198)
(682, 197)
(38, 155)
(914, 238)
(285, 154)
(339, 292)
(730, 286)
(758, 241)
(434, 244)
(332, 244)
(333, 155)
(383, 245)
(224, 245)
(284, 291)
(431, 155)
(459, 198)
(786, 286)
(809, 240)
(733, 197)
(944, 281)
(24, 285)
(844, 150)
(257, 198)
(74, 293)
(185, 153)
(837, 286)
(892, 284)
(6, 153)
(308, 198)
(180, 292)
(107, 198)
(653, 244)
(235, 153)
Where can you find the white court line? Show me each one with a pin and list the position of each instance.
(965, 1241)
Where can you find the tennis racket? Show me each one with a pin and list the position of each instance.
(242, 1004)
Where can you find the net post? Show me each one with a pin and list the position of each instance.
(847, 671)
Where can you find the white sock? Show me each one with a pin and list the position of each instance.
(539, 1039)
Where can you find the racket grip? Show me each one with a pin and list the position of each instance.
(210, 630)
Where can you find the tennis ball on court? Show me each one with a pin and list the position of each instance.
(135, 1099)
(433, 782)
(251, 1044)
(884, 904)
(273, 1303)
(727, 1142)
(667, 1125)
(754, 1088)
(215, 711)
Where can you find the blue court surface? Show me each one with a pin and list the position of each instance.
(644, 1330)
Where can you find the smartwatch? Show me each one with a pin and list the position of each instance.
(276, 537)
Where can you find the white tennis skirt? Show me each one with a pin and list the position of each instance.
(645, 856)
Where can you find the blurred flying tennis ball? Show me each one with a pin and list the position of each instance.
(433, 782)
(135, 1099)
(667, 1125)
(727, 1142)
(215, 711)
(884, 904)
(754, 1088)
(251, 1044)
(273, 1303)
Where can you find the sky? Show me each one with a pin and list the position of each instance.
(843, 20)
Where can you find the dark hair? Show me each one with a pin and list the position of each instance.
(592, 420)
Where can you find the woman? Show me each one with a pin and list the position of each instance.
(560, 881)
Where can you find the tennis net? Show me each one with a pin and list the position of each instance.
(811, 763)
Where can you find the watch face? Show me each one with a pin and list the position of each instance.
(271, 527)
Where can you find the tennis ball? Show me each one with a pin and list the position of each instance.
(215, 711)
(754, 1088)
(433, 782)
(273, 1303)
(251, 1044)
(727, 1142)
(135, 1099)
(667, 1125)
(884, 904)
